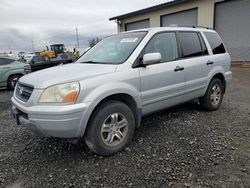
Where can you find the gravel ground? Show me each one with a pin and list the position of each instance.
(180, 147)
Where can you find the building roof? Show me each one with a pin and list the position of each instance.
(149, 9)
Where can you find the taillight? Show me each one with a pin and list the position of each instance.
(27, 69)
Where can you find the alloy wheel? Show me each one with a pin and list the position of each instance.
(114, 129)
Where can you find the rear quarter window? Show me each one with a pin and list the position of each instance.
(215, 42)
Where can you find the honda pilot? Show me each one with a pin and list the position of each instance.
(104, 95)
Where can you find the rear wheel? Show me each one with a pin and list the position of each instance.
(111, 128)
(214, 95)
(12, 81)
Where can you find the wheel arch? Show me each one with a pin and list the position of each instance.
(13, 74)
(132, 102)
(9, 84)
(126, 99)
(221, 77)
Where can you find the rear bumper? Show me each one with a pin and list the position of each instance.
(51, 121)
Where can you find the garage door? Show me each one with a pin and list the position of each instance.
(137, 25)
(232, 23)
(188, 17)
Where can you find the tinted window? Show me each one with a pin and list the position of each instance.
(164, 43)
(5, 61)
(190, 44)
(1, 61)
(38, 59)
(215, 43)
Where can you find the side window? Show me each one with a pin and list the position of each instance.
(164, 43)
(40, 58)
(5, 61)
(37, 59)
(190, 44)
(215, 43)
(1, 62)
(8, 61)
(203, 45)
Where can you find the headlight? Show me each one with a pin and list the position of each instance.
(61, 93)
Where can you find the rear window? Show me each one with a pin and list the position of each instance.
(190, 44)
(215, 43)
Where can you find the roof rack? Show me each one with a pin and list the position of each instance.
(191, 26)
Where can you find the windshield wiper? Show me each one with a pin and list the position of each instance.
(89, 62)
(95, 62)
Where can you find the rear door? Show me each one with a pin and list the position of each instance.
(162, 84)
(195, 59)
(219, 54)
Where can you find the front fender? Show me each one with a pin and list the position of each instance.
(104, 91)
(13, 72)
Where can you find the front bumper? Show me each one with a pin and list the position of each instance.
(51, 121)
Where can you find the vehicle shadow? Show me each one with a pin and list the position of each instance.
(150, 124)
(165, 140)
(3, 89)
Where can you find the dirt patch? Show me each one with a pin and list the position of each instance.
(180, 147)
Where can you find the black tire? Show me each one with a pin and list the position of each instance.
(94, 136)
(207, 101)
(12, 81)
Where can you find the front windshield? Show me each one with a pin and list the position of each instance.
(113, 50)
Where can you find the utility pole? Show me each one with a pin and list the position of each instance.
(77, 39)
(32, 45)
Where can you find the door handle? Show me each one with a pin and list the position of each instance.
(210, 62)
(178, 69)
(6, 67)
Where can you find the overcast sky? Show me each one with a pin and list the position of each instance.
(54, 21)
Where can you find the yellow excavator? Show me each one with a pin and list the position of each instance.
(54, 50)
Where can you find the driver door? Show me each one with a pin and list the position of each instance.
(162, 84)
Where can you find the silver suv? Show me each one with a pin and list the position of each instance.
(103, 96)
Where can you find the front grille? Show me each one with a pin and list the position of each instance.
(23, 92)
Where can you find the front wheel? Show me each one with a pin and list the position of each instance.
(110, 129)
(12, 81)
(214, 95)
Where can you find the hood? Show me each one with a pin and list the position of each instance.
(65, 73)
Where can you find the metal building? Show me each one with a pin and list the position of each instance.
(230, 18)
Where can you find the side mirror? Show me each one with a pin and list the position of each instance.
(151, 58)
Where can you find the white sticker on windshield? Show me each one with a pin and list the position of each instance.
(129, 40)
